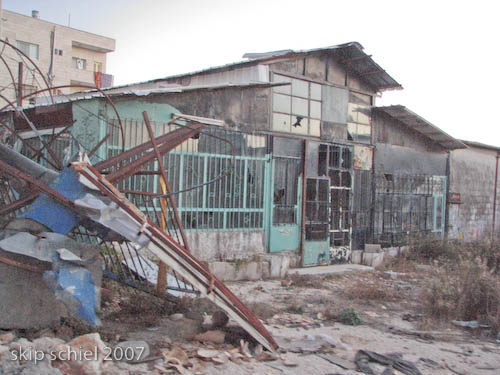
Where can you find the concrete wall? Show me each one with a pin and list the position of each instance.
(244, 109)
(473, 175)
(28, 29)
(405, 160)
(226, 245)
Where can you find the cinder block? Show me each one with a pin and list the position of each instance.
(356, 256)
(373, 248)
(373, 259)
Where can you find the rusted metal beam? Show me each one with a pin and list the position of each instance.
(27, 144)
(101, 142)
(53, 137)
(163, 172)
(20, 203)
(173, 141)
(183, 133)
(170, 251)
(20, 84)
(14, 172)
(17, 264)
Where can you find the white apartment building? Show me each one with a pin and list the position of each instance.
(64, 56)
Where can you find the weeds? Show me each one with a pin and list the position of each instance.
(370, 291)
(464, 291)
(306, 281)
(294, 309)
(350, 316)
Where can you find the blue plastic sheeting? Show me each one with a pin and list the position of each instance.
(75, 288)
(52, 214)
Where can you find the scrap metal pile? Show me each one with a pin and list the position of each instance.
(62, 217)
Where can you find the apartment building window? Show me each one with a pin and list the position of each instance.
(359, 118)
(58, 52)
(29, 49)
(78, 63)
(296, 107)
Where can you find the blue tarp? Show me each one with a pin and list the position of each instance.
(51, 213)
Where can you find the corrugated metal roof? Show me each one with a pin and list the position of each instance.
(481, 145)
(350, 55)
(422, 126)
(91, 94)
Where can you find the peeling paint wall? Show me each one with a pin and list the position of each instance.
(390, 131)
(399, 149)
(473, 176)
(244, 109)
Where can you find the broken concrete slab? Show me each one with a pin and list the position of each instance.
(68, 271)
(373, 259)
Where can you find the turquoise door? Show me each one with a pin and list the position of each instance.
(284, 223)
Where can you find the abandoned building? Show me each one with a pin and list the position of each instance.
(314, 170)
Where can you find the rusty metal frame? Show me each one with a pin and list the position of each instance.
(164, 176)
(171, 252)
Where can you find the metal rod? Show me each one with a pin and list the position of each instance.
(495, 193)
(165, 179)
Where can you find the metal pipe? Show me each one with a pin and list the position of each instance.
(159, 158)
(495, 194)
(303, 203)
(20, 85)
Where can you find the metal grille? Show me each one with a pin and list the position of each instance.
(285, 197)
(407, 205)
(233, 202)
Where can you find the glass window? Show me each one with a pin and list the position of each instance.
(315, 91)
(359, 117)
(29, 49)
(281, 103)
(285, 89)
(300, 102)
(78, 63)
(300, 88)
(281, 122)
(299, 107)
(315, 109)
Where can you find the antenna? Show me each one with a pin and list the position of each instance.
(69, 19)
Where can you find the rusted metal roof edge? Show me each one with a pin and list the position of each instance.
(422, 126)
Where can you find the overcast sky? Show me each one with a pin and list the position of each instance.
(446, 54)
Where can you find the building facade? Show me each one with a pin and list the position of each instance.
(311, 167)
(63, 55)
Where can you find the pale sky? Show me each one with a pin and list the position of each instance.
(445, 53)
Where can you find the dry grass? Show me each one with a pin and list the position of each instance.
(263, 310)
(307, 281)
(466, 291)
(373, 291)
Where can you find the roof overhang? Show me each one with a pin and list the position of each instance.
(481, 145)
(351, 55)
(422, 126)
(91, 47)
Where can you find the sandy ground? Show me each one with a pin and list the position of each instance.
(303, 317)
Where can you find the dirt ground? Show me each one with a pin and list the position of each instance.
(310, 317)
(305, 310)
